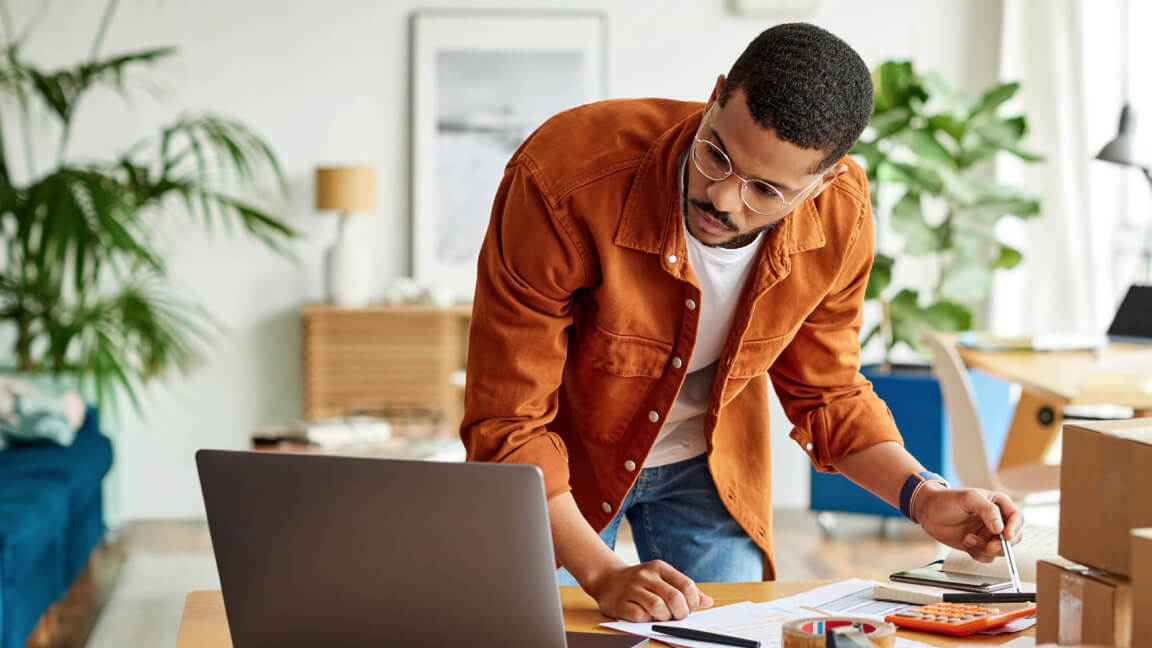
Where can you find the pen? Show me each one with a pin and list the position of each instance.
(989, 597)
(1008, 553)
(701, 635)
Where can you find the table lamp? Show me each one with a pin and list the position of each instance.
(348, 263)
(1130, 150)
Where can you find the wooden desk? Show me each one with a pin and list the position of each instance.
(1119, 374)
(205, 626)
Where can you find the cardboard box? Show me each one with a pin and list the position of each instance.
(1076, 604)
(1141, 562)
(1105, 483)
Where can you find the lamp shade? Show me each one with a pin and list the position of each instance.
(347, 188)
(1127, 147)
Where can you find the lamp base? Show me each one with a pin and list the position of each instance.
(349, 270)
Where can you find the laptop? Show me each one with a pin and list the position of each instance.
(1133, 320)
(317, 550)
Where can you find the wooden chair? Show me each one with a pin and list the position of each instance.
(969, 453)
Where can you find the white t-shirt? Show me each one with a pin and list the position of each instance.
(721, 273)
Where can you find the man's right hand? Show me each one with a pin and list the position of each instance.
(651, 591)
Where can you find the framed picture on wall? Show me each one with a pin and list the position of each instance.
(481, 83)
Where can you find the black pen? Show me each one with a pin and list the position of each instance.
(989, 597)
(701, 635)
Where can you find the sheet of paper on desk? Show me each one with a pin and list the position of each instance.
(763, 621)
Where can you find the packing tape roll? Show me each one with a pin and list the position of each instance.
(809, 633)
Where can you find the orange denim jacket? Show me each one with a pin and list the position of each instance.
(585, 317)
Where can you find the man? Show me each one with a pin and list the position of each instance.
(649, 265)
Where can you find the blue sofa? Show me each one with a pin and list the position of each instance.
(51, 518)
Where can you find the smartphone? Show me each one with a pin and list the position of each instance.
(933, 575)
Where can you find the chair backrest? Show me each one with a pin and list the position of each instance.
(969, 456)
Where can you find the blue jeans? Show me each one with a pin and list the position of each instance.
(676, 516)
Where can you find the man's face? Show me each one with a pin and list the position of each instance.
(716, 214)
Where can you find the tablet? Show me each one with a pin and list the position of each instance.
(934, 576)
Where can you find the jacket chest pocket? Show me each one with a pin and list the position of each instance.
(607, 379)
(754, 359)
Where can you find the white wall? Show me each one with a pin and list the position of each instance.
(327, 82)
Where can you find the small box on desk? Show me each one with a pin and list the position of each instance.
(1080, 605)
(1104, 484)
(1141, 561)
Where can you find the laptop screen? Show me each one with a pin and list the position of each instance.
(1134, 317)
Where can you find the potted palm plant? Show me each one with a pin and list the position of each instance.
(82, 281)
(927, 152)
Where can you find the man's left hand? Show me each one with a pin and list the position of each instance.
(969, 519)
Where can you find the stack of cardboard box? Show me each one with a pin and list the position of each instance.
(1104, 575)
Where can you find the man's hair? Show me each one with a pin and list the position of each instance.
(806, 84)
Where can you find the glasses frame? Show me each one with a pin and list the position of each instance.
(785, 204)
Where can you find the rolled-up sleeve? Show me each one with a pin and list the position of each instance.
(817, 377)
(530, 264)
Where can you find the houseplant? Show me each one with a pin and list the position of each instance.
(932, 146)
(927, 152)
(82, 278)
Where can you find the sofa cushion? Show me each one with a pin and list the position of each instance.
(34, 518)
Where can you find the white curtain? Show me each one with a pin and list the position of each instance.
(1071, 68)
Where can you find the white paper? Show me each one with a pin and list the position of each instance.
(763, 621)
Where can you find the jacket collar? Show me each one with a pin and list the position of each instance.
(651, 218)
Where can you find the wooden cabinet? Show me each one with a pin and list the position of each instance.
(383, 358)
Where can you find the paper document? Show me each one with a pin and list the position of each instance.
(763, 621)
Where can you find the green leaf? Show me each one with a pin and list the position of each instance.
(967, 279)
(923, 143)
(896, 85)
(908, 220)
(915, 177)
(993, 98)
(880, 277)
(888, 123)
(950, 124)
(1009, 258)
(61, 89)
(910, 320)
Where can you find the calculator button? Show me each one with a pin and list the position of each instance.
(980, 614)
(968, 617)
(955, 621)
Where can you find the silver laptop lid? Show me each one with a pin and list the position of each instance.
(336, 551)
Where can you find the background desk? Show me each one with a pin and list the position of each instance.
(1119, 374)
(205, 626)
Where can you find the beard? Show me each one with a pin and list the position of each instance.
(738, 239)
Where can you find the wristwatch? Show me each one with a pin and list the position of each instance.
(913, 484)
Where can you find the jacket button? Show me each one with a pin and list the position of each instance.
(677, 362)
(808, 447)
(629, 465)
(691, 305)
(653, 416)
(671, 258)
(607, 507)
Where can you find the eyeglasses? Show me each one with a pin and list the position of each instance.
(760, 196)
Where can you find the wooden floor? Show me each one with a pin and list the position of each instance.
(859, 546)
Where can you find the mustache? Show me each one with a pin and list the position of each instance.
(710, 209)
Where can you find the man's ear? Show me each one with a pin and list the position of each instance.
(829, 177)
(715, 91)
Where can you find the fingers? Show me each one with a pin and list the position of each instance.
(986, 508)
(655, 606)
(1013, 516)
(686, 586)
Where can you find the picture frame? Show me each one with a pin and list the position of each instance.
(481, 83)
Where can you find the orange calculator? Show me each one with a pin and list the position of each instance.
(957, 618)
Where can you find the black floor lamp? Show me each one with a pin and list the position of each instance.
(1128, 149)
